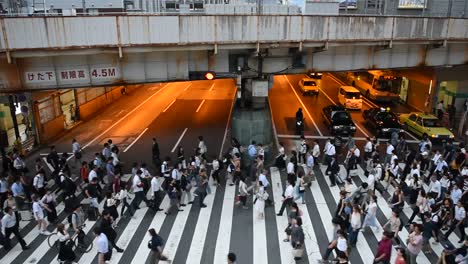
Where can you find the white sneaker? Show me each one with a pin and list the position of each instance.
(45, 233)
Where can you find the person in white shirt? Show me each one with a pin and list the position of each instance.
(10, 226)
(310, 164)
(456, 194)
(76, 150)
(201, 146)
(262, 177)
(155, 190)
(355, 222)
(440, 165)
(175, 174)
(371, 181)
(316, 151)
(435, 160)
(165, 170)
(388, 153)
(302, 150)
(93, 173)
(290, 167)
(288, 197)
(371, 217)
(368, 148)
(330, 152)
(444, 185)
(38, 211)
(458, 222)
(140, 195)
(38, 183)
(102, 245)
(435, 187)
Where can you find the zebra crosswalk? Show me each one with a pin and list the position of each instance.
(207, 235)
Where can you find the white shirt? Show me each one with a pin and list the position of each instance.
(316, 151)
(136, 183)
(459, 213)
(310, 161)
(202, 147)
(436, 157)
(330, 150)
(378, 174)
(289, 192)
(456, 195)
(390, 149)
(38, 181)
(415, 171)
(290, 168)
(8, 221)
(175, 174)
(371, 181)
(215, 164)
(342, 244)
(393, 158)
(75, 147)
(444, 183)
(357, 152)
(92, 174)
(115, 160)
(368, 147)
(435, 187)
(37, 210)
(303, 149)
(155, 186)
(355, 220)
(372, 210)
(464, 172)
(102, 244)
(263, 179)
(440, 165)
(3, 186)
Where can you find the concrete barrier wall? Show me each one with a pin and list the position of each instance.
(117, 31)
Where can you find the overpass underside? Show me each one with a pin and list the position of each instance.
(62, 52)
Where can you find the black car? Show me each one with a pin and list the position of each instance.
(382, 120)
(339, 121)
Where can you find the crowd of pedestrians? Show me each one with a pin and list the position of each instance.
(431, 180)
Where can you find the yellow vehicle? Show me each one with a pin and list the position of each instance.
(423, 124)
(310, 85)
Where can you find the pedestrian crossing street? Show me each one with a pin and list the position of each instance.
(207, 235)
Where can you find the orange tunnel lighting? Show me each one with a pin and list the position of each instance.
(209, 76)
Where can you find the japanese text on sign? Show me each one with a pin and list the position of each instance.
(39, 76)
(67, 75)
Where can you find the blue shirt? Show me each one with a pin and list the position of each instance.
(17, 189)
(110, 169)
(252, 151)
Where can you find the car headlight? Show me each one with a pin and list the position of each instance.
(385, 129)
(353, 128)
(434, 136)
(452, 136)
(336, 127)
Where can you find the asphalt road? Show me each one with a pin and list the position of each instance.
(174, 113)
(286, 92)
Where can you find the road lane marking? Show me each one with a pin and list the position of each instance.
(275, 133)
(59, 153)
(212, 86)
(134, 141)
(409, 134)
(201, 104)
(178, 141)
(227, 126)
(121, 119)
(190, 84)
(362, 130)
(369, 102)
(281, 221)
(223, 240)
(300, 101)
(167, 107)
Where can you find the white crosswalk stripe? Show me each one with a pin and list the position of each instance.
(212, 246)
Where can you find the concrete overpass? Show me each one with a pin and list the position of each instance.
(60, 52)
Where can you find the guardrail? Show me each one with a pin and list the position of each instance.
(55, 33)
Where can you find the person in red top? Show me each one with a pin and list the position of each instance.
(401, 256)
(384, 249)
(84, 171)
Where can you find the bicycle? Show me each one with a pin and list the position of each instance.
(80, 241)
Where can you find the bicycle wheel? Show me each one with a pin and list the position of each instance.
(53, 241)
(86, 246)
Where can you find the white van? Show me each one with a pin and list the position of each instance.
(350, 97)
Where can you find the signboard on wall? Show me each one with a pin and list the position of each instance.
(260, 88)
(39, 77)
(105, 73)
(416, 4)
(348, 4)
(73, 75)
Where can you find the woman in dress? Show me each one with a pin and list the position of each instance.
(66, 253)
(49, 200)
(371, 217)
(261, 196)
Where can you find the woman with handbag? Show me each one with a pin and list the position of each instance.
(66, 253)
(294, 212)
(49, 200)
(297, 238)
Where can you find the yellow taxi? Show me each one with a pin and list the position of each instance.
(423, 124)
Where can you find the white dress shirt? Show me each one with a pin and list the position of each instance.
(390, 149)
(459, 213)
(8, 221)
(38, 181)
(155, 186)
(136, 184)
(330, 150)
(92, 174)
(290, 168)
(435, 187)
(316, 151)
(102, 244)
(289, 192)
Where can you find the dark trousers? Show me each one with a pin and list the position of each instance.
(139, 196)
(461, 228)
(201, 198)
(156, 199)
(243, 199)
(286, 202)
(14, 230)
(329, 251)
(126, 204)
(332, 178)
